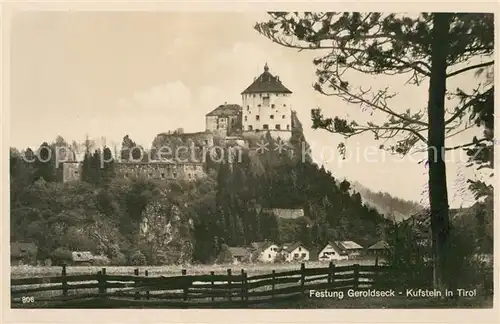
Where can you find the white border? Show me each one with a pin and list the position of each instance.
(221, 316)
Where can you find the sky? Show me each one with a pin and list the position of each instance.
(108, 74)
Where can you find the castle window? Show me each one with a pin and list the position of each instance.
(283, 116)
(259, 105)
(265, 126)
(257, 117)
(278, 126)
(272, 116)
(266, 101)
(254, 95)
(272, 106)
(245, 118)
(248, 107)
(287, 127)
(163, 175)
(284, 105)
(76, 171)
(250, 127)
(174, 174)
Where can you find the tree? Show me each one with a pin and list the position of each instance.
(108, 170)
(45, 163)
(434, 46)
(130, 149)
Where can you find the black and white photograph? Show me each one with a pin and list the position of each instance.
(250, 159)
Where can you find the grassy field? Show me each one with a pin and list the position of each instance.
(172, 270)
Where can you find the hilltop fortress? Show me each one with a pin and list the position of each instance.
(266, 107)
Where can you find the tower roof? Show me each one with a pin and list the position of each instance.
(225, 110)
(266, 82)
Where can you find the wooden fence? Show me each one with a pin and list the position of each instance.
(232, 290)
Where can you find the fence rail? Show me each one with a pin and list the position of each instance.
(186, 291)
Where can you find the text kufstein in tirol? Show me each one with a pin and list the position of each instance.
(408, 293)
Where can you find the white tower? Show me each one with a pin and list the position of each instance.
(267, 107)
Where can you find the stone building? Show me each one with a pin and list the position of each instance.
(160, 170)
(267, 107)
(146, 170)
(224, 120)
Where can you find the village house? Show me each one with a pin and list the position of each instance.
(381, 248)
(22, 253)
(265, 251)
(238, 254)
(332, 251)
(351, 248)
(295, 252)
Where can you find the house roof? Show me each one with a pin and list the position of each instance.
(266, 82)
(293, 246)
(18, 249)
(261, 245)
(348, 245)
(238, 251)
(336, 247)
(380, 245)
(225, 110)
(82, 255)
(286, 213)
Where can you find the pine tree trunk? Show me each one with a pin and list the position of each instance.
(438, 192)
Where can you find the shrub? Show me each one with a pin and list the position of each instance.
(100, 260)
(474, 272)
(118, 259)
(280, 258)
(61, 256)
(224, 256)
(412, 262)
(137, 258)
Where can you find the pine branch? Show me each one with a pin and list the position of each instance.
(472, 67)
(465, 145)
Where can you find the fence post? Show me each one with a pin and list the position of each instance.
(212, 283)
(245, 278)
(273, 283)
(229, 285)
(243, 284)
(65, 281)
(146, 273)
(102, 282)
(185, 297)
(137, 295)
(302, 277)
(356, 275)
(331, 273)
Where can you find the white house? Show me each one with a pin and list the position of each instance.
(332, 251)
(295, 252)
(266, 251)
